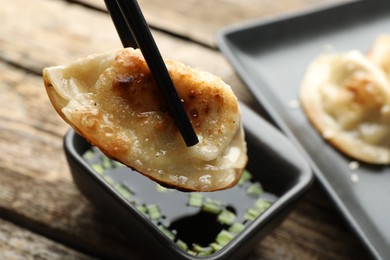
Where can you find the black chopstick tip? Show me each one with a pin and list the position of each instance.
(183, 122)
(191, 140)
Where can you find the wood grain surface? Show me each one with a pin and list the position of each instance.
(42, 214)
(199, 20)
(18, 243)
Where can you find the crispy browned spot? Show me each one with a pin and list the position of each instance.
(364, 93)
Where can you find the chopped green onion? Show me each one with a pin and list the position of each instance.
(117, 164)
(106, 162)
(191, 252)
(202, 251)
(160, 188)
(251, 214)
(236, 228)
(226, 217)
(246, 176)
(262, 205)
(216, 247)
(195, 199)
(88, 155)
(166, 232)
(223, 215)
(124, 191)
(257, 209)
(207, 252)
(142, 209)
(212, 206)
(199, 248)
(98, 168)
(134, 203)
(181, 245)
(224, 237)
(255, 189)
(153, 211)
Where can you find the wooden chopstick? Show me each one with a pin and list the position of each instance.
(134, 31)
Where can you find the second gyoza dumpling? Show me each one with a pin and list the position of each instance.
(113, 101)
(379, 53)
(347, 98)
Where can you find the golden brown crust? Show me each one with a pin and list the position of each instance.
(121, 110)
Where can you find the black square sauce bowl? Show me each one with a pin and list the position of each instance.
(170, 224)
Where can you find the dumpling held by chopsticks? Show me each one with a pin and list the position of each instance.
(112, 100)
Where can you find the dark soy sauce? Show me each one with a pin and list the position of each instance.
(189, 224)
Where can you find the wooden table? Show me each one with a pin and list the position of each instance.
(42, 214)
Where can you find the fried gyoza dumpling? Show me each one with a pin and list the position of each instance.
(380, 53)
(347, 98)
(113, 101)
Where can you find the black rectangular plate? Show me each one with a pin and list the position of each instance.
(271, 57)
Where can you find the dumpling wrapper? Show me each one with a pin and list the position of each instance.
(347, 99)
(379, 53)
(112, 100)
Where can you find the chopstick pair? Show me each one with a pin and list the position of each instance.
(134, 32)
